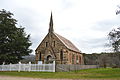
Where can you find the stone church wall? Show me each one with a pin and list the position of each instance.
(69, 56)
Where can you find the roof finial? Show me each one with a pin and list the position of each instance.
(51, 24)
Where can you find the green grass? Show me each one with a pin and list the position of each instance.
(100, 73)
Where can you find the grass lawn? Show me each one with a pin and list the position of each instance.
(101, 73)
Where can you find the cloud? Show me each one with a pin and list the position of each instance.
(92, 45)
(106, 25)
(85, 22)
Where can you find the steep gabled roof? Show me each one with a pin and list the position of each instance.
(67, 43)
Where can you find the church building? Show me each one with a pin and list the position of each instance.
(55, 47)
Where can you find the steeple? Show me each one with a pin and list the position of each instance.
(51, 24)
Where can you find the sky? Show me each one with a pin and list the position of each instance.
(86, 23)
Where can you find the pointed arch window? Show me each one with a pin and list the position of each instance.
(46, 44)
(40, 57)
(54, 43)
(77, 59)
(73, 57)
(80, 59)
(61, 55)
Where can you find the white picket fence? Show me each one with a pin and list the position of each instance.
(28, 67)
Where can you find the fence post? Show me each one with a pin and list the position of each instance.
(10, 66)
(29, 66)
(24, 66)
(3, 66)
(44, 67)
(53, 66)
(19, 68)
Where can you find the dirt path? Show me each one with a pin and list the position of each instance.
(23, 78)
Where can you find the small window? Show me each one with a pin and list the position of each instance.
(61, 55)
(77, 57)
(40, 57)
(54, 43)
(77, 60)
(46, 44)
(73, 57)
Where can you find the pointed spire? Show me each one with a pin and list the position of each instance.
(51, 24)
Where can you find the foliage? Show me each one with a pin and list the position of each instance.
(91, 59)
(114, 39)
(27, 59)
(118, 10)
(101, 73)
(14, 42)
(102, 59)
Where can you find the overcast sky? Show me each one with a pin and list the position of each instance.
(86, 23)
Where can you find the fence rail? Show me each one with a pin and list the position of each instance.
(28, 67)
(70, 67)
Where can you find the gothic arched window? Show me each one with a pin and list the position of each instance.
(73, 57)
(40, 57)
(46, 44)
(54, 43)
(61, 55)
(77, 59)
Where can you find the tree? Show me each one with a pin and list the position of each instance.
(104, 60)
(118, 10)
(91, 59)
(114, 39)
(14, 42)
(27, 59)
(114, 36)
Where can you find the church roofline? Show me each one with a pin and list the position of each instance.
(68, 44)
